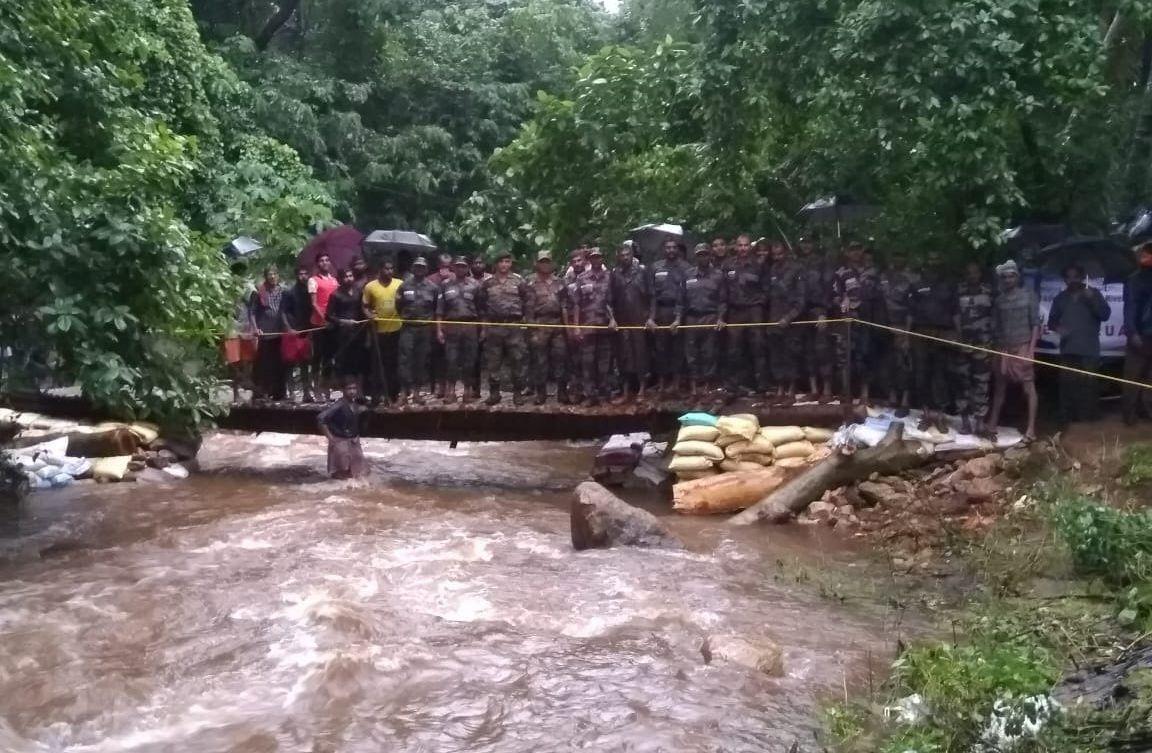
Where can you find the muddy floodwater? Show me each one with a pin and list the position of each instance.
(438, 606)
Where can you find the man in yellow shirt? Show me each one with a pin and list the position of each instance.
(380, 304)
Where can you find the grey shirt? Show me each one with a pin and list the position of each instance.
(1015, 316)
(1076, 317)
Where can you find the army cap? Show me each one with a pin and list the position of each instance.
(419, 261)
(544, 256)
(702, 248)
(595, 251)
(460, 260)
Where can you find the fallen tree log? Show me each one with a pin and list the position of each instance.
(726, 493)
(844, 466)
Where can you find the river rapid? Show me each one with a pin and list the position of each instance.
(437, 606)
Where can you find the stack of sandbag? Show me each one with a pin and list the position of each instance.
(695, 454)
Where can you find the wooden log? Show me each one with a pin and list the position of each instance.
(893, 454)
(727, 492)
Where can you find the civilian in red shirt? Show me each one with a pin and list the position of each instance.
(320, 287)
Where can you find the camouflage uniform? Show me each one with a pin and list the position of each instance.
(667, 287)
(416, 299)
(592, 303)
(816, 357)
(505, 349)
(787, 296)
(631, 297)
(896, 287)
(702, 303)
(547, 301)
(744, 286)
(974, 368)
(855, 295)
(459, 302)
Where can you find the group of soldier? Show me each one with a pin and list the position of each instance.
(740, 318)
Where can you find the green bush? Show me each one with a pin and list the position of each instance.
(1136, 464)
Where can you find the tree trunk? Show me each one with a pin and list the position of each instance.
(275, 22)
(893, 455)
(726, 493)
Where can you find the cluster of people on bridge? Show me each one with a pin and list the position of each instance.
(733, 318)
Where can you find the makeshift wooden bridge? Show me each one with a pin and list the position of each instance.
(469, 423)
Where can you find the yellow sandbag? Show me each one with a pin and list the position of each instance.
(694, 475)
(801, 449)
(816, 435)
(690, 463)
(758, 459)
(736, 466)
(758, 446)
(698, 434)
(745, 426)
(724, 440)
(146, 432)
(779, 435)
(692, 447)
(111, 469)
(727, 492)
(789, 463)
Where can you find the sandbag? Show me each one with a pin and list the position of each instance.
(698, 434)
(690, 463)
(147, 433)
(727, 492)
(724, 440)
(697, 419)
(735, 466)
(745, 426)
(694, 475)
(111, 469)
(801, 449)
(779, 435)
(816, 435)
(706, 449)
(789, 463)
(752, 457)
(758, 446)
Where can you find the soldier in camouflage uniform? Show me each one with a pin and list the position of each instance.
(592, 306)
(897, 284)
(417, 298)
(816, 356)
(547, 299)
(459, 303)
(744, 289)
(973, 368)
(668, 276)
(631, 295)
(502, 299)
(855, 295)
(702, 302)
(787, 296)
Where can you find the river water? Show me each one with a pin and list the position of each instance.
(437, 606)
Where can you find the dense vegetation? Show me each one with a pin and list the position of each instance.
(138, 136)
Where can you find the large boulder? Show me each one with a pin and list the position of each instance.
(758, 654)
(601, 519)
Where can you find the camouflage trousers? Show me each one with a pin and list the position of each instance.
(668, 346)
(973, 371)
(415, 350)
(746, 348)
(461, 348)
(932, 365)
(549, 356)
(505, 351)
(596, 361)
(701, 345)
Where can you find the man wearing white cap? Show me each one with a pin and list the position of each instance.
(1015, 331)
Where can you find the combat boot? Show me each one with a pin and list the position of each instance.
(493, 393)
(562, 396)
(541, 395)
(517, 395)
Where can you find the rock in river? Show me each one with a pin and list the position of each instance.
(759, 654)
(601, 519)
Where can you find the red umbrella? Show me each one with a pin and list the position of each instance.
(342, 243)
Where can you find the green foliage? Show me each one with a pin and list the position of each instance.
(1136, 464)
(130, 158)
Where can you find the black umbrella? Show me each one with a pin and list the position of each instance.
(1033, 235)
(401, 247)
(836, 209)
(1101, 257)
(649, 239)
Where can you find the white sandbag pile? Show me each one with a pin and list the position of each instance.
(708, 446)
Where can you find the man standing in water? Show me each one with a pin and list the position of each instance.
(1015, 330)
(340, 424)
